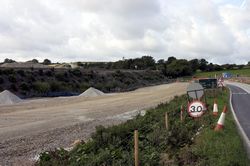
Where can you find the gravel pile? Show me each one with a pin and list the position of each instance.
(6, 97)
(92, 92)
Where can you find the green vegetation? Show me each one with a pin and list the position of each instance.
(57, 82)
(240, 72)
(157, 146)
(218, 148)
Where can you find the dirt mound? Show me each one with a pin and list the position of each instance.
(6, 97)
(92, 92)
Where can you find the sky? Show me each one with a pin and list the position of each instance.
(108, 30)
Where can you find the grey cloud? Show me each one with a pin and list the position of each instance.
(75, 30)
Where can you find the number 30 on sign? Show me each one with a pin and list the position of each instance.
(196, 109)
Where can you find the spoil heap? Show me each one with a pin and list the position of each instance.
(92, 92)
(6, 97)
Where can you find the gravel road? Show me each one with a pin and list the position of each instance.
(31, 127)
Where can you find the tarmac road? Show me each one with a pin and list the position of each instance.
(241, 106)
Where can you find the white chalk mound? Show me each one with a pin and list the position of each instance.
(6, 97)
(92, 92)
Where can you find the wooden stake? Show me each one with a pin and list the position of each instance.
(181, 113)
(166, 121)
(136, 148)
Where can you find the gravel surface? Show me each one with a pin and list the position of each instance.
(31, 127)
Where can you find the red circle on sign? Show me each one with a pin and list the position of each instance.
(193, 104)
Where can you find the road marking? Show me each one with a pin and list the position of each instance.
(240, 93)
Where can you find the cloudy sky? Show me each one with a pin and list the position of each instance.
(107, 30)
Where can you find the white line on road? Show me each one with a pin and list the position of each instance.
(240, 93)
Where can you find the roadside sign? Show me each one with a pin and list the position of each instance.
(195, 91)
(220, 82)
(208, 83)
(196, 109)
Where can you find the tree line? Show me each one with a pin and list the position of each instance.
(172, 67)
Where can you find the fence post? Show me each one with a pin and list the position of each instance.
(166, 120)
(181, 115)
(136, 148)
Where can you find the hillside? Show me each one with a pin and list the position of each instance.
(65, 82)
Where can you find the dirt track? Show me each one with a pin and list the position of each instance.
(26, 129)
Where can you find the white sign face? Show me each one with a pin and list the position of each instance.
(196, 109)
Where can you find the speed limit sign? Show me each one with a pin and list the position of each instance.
(196, 109)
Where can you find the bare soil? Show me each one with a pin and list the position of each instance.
(31, 127)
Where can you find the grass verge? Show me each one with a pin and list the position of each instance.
(240, 72)
(158, 146)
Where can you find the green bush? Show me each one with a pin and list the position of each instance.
(77, 72)
(8, 71)
(41, 87)
(84, 86)
(41, 73)
(55, 86)
(12, 79)
(60, 77)
(49, 73)
(13, 87)
(21, 73)
(1, 80)
(24, 86)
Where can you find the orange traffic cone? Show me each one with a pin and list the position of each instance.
(215, 109)
(221, 121)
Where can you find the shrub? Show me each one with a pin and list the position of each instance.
(13, 87)
(8, 71)
(49, 73)
(1, 80)
(41, 87)
(21, 73)
(32, 78)
(41, 72)
(77, 72)
(56, 86)
(24, 86)
(84, 86)
(12, 78)
(60, 76)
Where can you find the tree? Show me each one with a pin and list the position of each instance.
(248, 64)
(194, 64)
(34, 61)
(46, 62)
(9, 61)
(171, 59)
(178, 68)
(203, 64)
(148, 62)
(161, 65)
